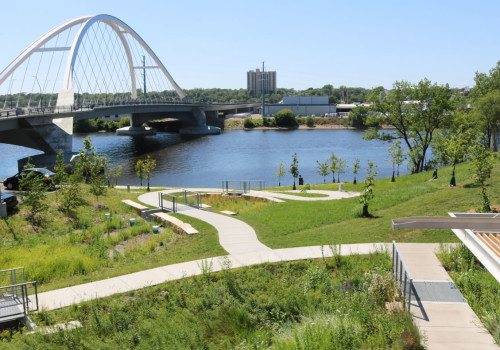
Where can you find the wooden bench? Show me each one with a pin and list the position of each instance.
(178, 225)
(138, 207)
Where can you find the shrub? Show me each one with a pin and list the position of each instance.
(248, 123)
(285, 118)
(310, 122)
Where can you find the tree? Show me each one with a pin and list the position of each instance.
(117, 173)
(294, 169)
(149, 167)
(71, 195)
(139, 169)
(355, 168)
(358, 116)
(333, 165)
(487, 111)
(33, 190)
(482, 165)
(397, 157)
(452, 145)
(367, 194)
(416, 112)
(341, 166)
(323, 169)
(60, 172)
(280, 173)
(285, 118)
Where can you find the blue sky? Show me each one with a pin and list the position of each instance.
(309, 43)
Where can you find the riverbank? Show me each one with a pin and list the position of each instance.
(318, 124)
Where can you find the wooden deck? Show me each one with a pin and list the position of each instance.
(491, 240)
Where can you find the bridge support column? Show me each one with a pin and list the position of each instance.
(136, 128)
(201, 127)
(53, 135)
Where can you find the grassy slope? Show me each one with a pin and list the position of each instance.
(293, 224)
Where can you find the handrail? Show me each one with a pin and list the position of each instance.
(400, 270)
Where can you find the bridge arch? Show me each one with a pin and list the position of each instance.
(122, 31)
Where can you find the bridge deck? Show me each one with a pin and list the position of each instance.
(11, 308)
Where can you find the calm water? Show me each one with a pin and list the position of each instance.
(233, 155)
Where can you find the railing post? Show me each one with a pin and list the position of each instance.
(404, 288)
(409, 294)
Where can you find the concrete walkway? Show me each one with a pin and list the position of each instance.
(84, 292)
(439, 309)
(235, 236)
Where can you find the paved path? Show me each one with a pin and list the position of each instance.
(84, 292)
(440, 311)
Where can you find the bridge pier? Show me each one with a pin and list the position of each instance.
(136, 128)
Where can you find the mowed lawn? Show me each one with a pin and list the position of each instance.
(299, 223)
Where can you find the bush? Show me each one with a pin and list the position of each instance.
(310, 122)
(285, 118)
(248, 123)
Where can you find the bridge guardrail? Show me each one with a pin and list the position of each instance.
(193, 199)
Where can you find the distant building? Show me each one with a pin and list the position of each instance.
(303, 106)
(254, 82)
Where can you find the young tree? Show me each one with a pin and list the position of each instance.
(482, 165)
(117, 173)
(33, 190)
(355, 169)
(96, 177)
(60, 172)
(294, 169)
(323, 169)
(333, 165)
(149, 167)
(452, 145)
(341, 167)
(367, 194)
(397, 157)
(416, 112)
(280, 173)
(71, 195)
(139, 169)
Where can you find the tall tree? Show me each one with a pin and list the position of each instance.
(281, 172)
(294, 169)
(416, 112)
(487, 111)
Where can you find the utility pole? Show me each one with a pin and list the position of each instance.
(144, 75)
(262, 84)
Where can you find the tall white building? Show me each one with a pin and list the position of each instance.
(254, 82)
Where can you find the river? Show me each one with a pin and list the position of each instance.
(233, 155)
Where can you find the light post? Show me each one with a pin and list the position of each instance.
(40, 87)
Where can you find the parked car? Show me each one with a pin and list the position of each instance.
(9, 199)
(12, 183)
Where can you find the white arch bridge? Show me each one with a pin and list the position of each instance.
(91, 66)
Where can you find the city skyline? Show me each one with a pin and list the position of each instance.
(359, 44)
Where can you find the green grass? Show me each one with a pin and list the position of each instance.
(296, 223)
(66, 251)
(235, 204)
(276, 306)
(303, 194)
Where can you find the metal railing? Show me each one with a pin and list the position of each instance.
(242, 186)
(15, 301)
(167, 202)
(193, 199)
(402, 275)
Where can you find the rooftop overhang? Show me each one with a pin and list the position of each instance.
(478, 232)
